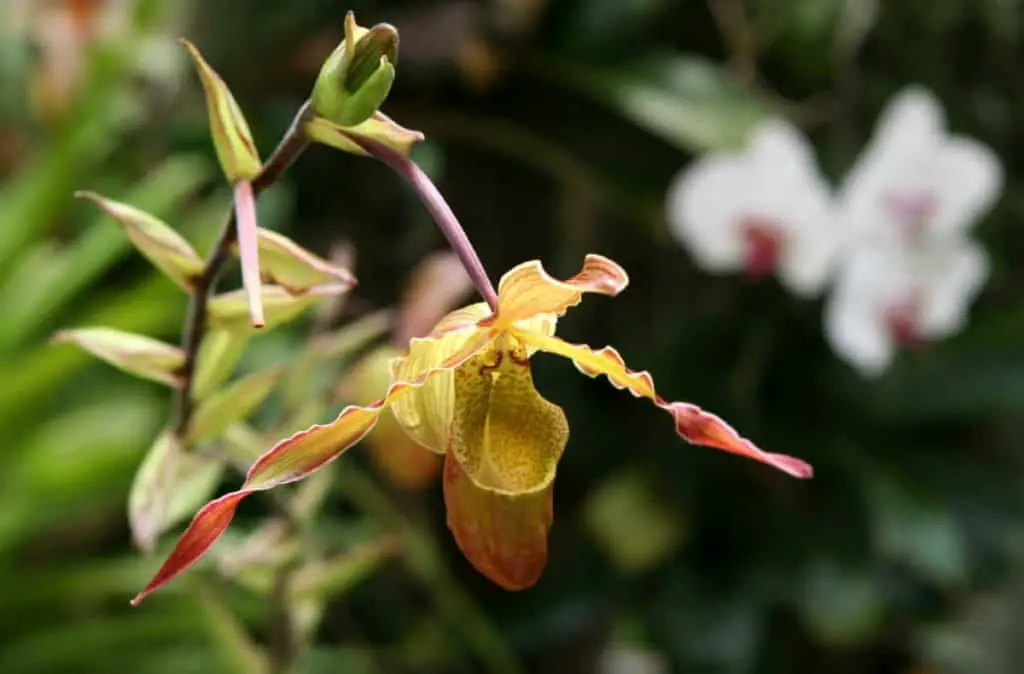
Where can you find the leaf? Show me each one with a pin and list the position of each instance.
(286, 264)
(235, 649)
(161, 245)
(137, 354)
(51, 276)
(168, 487)
(230, 311)
(380, 129)
(333, 577)
(218, 354)
(233, 403)
(347, 340)
(232, 138)
(689, 102)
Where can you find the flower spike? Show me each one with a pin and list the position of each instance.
(467, 393)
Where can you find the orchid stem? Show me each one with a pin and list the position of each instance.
(287, 151)
(441, 212)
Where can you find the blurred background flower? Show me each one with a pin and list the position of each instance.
(554, 129)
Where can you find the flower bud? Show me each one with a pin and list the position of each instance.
(232, 138)
(356, 78)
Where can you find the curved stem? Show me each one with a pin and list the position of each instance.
(440, 211)
(288, 150)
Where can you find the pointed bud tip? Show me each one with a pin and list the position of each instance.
(60, 337)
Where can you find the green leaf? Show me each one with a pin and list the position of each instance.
(137, 354)
(379, 128)
(232, 138)
(234, 648)
(284, 263)
(161, 245)
(690, 102)
(169, 486)
(333, 577)
(50, 277)
(230, 311)
(233, 403)
(219, 352)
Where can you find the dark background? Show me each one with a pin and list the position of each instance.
(904, 555)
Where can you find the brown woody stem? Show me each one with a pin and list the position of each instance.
(441, 212)
(287, 151)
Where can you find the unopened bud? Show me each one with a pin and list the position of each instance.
(356, 78)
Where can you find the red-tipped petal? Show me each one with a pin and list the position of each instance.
(293, 459)
(248, 249)
(504, 537)
(692, 423)
(527, 289)
(704, 428)
(206, 527)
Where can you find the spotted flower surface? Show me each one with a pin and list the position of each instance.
(764, 210)
(466, 392)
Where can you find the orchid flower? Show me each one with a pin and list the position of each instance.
(892, 296)
(764, 210)
(466, 391)
(916, 182)
(908, 204)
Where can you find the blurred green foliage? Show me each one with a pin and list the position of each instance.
(553, 128)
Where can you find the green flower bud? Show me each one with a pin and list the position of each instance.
(356, 78)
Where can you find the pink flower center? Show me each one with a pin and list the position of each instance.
(913, 211)
(762, 242)
(903, 320)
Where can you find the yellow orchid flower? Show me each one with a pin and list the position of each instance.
(466, 391)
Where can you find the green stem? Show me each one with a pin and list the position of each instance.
(288, 150)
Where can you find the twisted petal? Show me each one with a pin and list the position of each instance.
(293, 459)
(504, 537)
(692, 423)
(528, 290)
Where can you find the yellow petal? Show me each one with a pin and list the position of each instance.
(504, 537)
(308, 450)
(507, 438)
(400, 458)
(528, 290)
(426, 414)
(692, 423)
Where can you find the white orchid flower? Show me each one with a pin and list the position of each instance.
(914, 180)
(891, 296)
(766, 209)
